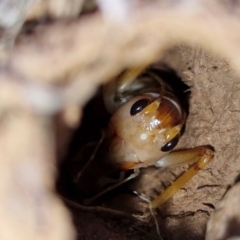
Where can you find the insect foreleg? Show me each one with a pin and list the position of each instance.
(200, 155)
(133, 175)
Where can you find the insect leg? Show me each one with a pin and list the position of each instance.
(79, 174)
(133, 175)
(199, 155)
(128, 77)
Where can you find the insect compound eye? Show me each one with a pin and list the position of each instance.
(171, 145)
(139, 105)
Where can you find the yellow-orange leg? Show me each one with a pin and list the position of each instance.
(128, 77)
(200, 155)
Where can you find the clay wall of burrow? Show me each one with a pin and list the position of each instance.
(53, 57)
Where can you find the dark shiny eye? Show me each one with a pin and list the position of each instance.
(171, 145)
(139, 105)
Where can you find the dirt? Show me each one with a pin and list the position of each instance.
(211, 121)
(102, 223)
(51, 69)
